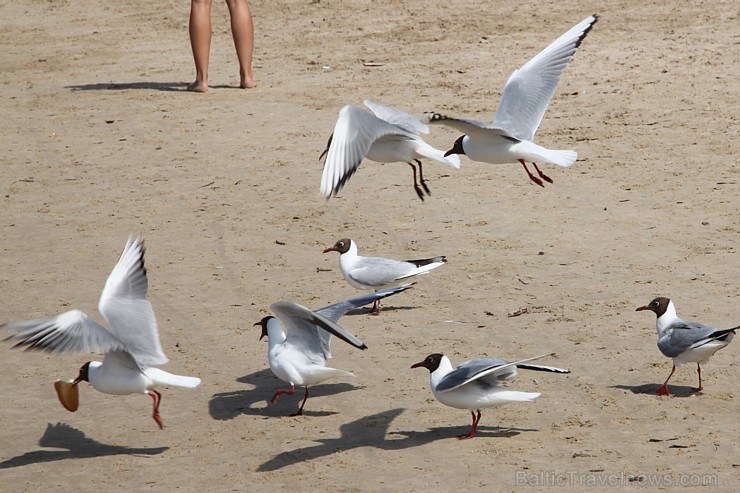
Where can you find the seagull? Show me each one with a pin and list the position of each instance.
(131, 346)
(376, 272)
(526, 95)
(475, 384)
(385, 136)
(685, 342)
(299, 341)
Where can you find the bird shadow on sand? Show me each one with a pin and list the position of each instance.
(256, 401)
(76, 446)
(652, 389)
(366, 310)
(372, 431)
(154, 86)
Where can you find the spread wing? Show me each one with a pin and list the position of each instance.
(354, 133)
(70, 332)
(303, 327)
(407, 122)
(124, 305)
(338, 310)
(530, 88)
(472, 128)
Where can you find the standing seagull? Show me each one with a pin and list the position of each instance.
(685, 342)
(527, 93)
(475, 384)
(131, 346)
(299, 341)
(377, 272)
(387, 136)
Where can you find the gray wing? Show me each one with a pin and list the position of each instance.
(407, 122)
(472, 128)
(378, 271)
(124, 305)
(530, 88)
(354, 133)
(70, 332)
(302, 329)
(338, 310)
(122, 359)
(682, 336)
(489, 371)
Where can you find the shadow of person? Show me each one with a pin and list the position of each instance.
(124, 86)
(652, 389)
(76, 445)
(256, 401)
(372, 431)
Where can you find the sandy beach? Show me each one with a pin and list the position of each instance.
(101, 140)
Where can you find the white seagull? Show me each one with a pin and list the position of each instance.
(475, 384)
(685, 342)
(526, 95)
(387, 136)
(299, 341)
(131, 346)
(377, 272)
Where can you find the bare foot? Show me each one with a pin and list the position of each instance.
(248, 83)
(198, 87)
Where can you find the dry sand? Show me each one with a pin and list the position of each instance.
(100, 139)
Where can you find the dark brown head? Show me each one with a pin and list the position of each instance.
(263, 324)
(342, 246)
(431, 362)
(658, 305)
(83, 375)
(457, 147)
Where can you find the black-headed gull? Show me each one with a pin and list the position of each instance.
(377, 272)
(526, 96)
(475, 384)
(131, 347)
(685, 342)
(299, 341)
(387, 136)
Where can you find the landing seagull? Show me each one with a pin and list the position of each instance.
(131, 347)
(377, 272)
(299, 341)
(526, 96)
(387, 135)
(685, 342)
(475, 384)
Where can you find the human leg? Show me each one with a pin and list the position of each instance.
(242, 29)
(200, 42)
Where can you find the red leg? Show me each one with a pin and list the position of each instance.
(376, 308)
(471, 433)
(156, 397)
(280, 392)
(663, 389)
(531, 176)
(700, 387)
(417, 189)
(300, 409)
(542, 175)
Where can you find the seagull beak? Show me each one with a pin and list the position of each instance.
(76, 381)
(642, 308)
(330, 249)
(417, 365)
